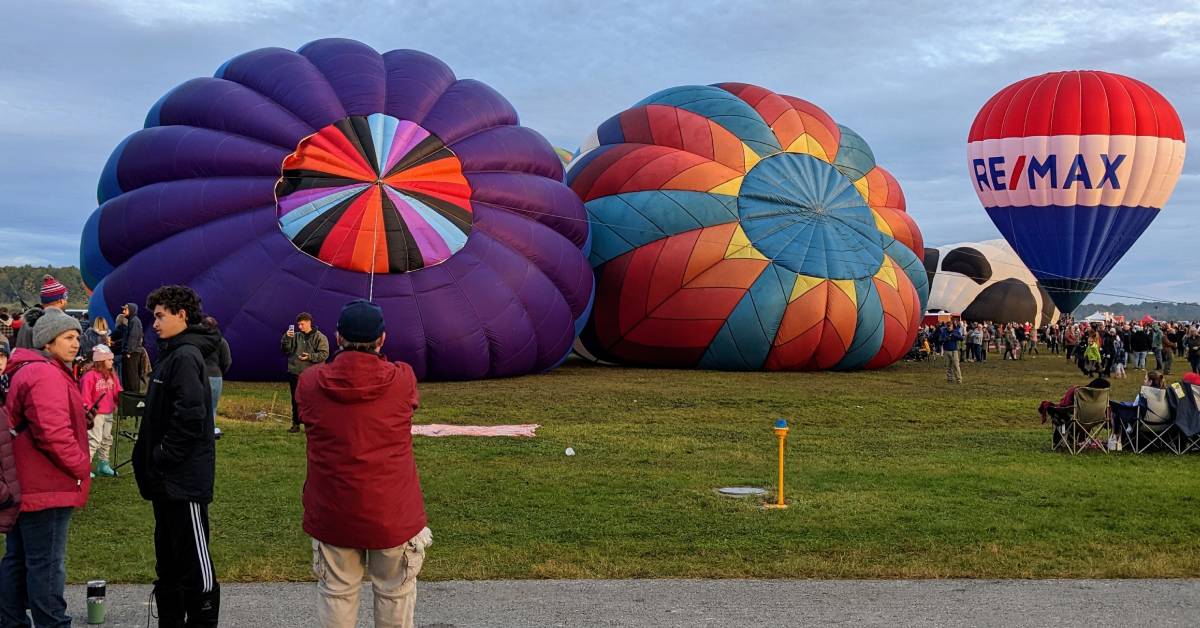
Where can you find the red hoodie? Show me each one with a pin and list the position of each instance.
(52, 454)
(362, 489)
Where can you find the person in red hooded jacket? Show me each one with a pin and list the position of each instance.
(362, 499)
(51, 455)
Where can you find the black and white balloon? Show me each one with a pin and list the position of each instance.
(986, 281)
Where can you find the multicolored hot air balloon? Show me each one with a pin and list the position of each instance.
(1072, 167)
(297, 181)
(737, 228)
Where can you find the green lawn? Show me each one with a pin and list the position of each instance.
(891, 474)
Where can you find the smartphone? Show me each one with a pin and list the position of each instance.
(291, 329)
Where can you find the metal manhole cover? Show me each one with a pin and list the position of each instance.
(741, 491)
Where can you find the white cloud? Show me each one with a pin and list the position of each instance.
(151, 13)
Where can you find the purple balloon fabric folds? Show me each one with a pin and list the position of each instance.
(298, 181)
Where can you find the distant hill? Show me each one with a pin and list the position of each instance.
(1160, 311)
(19, 283)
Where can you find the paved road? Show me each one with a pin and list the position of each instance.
(663, 603)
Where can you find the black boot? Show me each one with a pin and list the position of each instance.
(170, 606)
(203, 609)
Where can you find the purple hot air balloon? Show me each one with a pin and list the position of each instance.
(298, 181)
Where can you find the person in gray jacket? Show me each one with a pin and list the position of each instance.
(132, 350)
(305, 346)
(216, 365)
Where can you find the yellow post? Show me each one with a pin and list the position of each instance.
(781, 432)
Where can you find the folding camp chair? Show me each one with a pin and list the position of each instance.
(1085, 425)
(1185, 404)
(127, 422)
(1154, 425)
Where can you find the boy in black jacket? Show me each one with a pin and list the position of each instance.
(175, 460)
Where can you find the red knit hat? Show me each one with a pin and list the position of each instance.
(52, 290)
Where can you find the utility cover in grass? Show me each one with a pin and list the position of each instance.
(741, 491)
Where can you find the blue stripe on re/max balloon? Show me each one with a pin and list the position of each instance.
(1071, 241)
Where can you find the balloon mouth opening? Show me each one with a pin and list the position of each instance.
(375, 194)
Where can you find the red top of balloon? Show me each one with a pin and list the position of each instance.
(1079, 102)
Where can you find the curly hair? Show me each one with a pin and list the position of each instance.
(177, 298)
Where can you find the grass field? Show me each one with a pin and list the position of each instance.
(891, 474)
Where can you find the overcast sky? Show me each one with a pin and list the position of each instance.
(77, 77)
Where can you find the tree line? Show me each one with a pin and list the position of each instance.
(21, 285)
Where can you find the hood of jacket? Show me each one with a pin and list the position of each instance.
(355, 376)
(206, 339)
(133, 309)
(31, 317)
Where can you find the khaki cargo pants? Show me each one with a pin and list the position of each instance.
(340, 571)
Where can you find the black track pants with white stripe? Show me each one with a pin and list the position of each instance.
(181, 553)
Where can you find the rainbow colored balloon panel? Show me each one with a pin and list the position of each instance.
(736, 228)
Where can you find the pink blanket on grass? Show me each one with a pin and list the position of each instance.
(438, 429)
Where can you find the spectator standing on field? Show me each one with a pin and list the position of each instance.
(305, 347)
(362, 498)
(1192, 342)
(53, 295)
(1169, 347)
(6, 328)
(174, 460)
(950, 348)
(216, 365)
(133, 352)
(50, 452)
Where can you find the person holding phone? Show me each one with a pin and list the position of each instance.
(305, 346)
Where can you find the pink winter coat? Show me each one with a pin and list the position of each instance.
(52, 452)
(97, 387)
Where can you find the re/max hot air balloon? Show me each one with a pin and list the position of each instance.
(1072, 167)
(298, 181)
(737, 228)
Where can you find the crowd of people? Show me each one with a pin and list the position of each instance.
(1105, 348)
(63, 380)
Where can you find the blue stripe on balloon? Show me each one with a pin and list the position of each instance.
(722, 107)
(623, 222)
(744, 341)
(868, 330)
(913, 267)
(803, 213)
(610, 132)
(298, 218)
(383, 129)
(854, 156)
(1071, 247)
(454, 238)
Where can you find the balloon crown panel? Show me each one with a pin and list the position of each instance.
(737, 228)
(297, 181)
(375, 194)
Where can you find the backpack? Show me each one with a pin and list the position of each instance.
(10, 487)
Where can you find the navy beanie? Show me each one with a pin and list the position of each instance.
(360, 321)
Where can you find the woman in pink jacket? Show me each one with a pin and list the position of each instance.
(51, 454)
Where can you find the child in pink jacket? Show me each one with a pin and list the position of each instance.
(100, 387)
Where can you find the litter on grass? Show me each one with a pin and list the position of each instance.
(439, 429)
